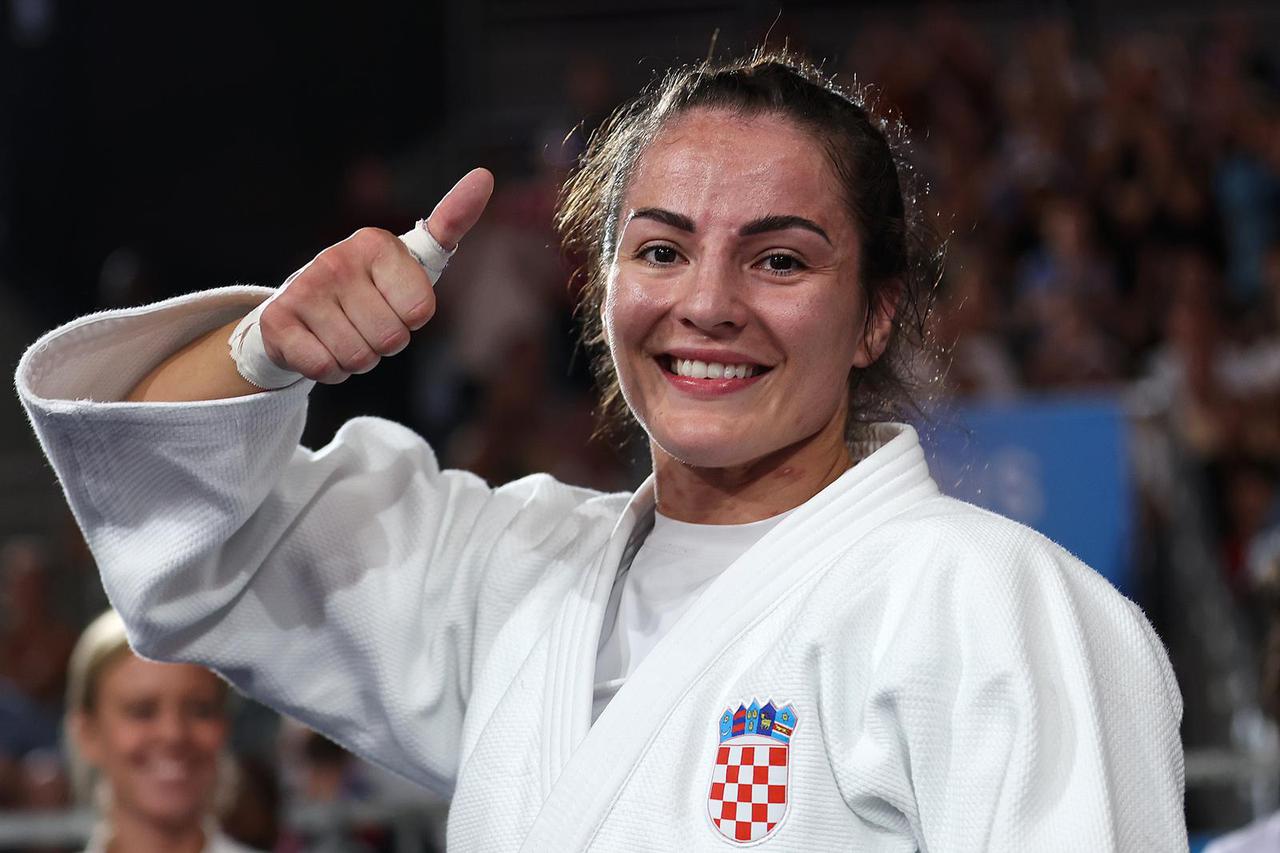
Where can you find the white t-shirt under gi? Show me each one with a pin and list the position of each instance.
(674, 563)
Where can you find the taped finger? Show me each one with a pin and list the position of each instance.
(427, 251)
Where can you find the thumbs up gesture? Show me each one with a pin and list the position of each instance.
(358, 300)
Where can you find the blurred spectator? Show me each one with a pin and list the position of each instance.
(329, 773)
(1250, 502)
(1071, 352)
(1220, 391)
(45, 786)
(1263, 835)
(318, 772)
(1270, 314)
(34, 646)
(147, 746)
(253, 816)
(43, 789)
(1066, 301)
(968, 327)
(1247, 184)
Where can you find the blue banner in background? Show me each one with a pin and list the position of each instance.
(1059, 465)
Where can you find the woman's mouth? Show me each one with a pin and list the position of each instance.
(169, 770)
(702, 376)
(707, 369)
(695, 369)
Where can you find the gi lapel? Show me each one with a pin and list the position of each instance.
(574, 639)
(879, 487)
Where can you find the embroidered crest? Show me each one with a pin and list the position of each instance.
(749, 796)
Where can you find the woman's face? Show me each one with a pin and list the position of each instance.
(734, 312)
(155, 735)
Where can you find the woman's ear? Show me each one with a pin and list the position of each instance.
(84, 734)
(879, 326)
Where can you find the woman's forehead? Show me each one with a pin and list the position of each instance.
(719, 164)
(132, 675)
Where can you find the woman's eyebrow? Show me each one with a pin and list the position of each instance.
(765, 224)
(666, 217)
(780, 222)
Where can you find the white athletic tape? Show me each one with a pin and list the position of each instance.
(250, 353)
(427, 251)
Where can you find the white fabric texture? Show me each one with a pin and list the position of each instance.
(960, 683)
(674, 564)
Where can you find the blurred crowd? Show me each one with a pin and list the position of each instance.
(1112, 214)
(1115, 222)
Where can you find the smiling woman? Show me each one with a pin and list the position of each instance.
(738, 278)
(147, 744)
(785, 636)
(831, 152)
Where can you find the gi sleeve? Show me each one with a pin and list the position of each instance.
(1020, 703)
(341, 586)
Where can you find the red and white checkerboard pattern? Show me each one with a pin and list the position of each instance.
(748, 796)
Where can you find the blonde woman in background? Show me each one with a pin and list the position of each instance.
(146, 743)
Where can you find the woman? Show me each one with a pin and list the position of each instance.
(786, 635)
(147, 743)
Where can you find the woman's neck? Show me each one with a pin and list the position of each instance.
(133, 834)
(762, 488)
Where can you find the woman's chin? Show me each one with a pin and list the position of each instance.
(171, 808)
(747, 444)
(707, 451)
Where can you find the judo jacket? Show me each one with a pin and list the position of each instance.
(888, 669)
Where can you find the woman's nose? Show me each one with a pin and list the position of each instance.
(174, 726)
(711, 298)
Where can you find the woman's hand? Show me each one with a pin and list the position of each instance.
(357, 301)
(361, 299)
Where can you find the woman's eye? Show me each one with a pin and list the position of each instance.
(782, 263)
(660, 255)
(206, 710)
(139, 710)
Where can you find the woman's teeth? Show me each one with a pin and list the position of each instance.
(711, 369)
(168, 770)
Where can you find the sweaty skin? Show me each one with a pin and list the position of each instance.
(736, 246)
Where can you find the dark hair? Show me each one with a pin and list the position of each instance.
(901, 257)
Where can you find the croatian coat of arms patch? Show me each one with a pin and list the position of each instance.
(749, 793)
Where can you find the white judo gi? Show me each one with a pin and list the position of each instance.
(895, 670)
